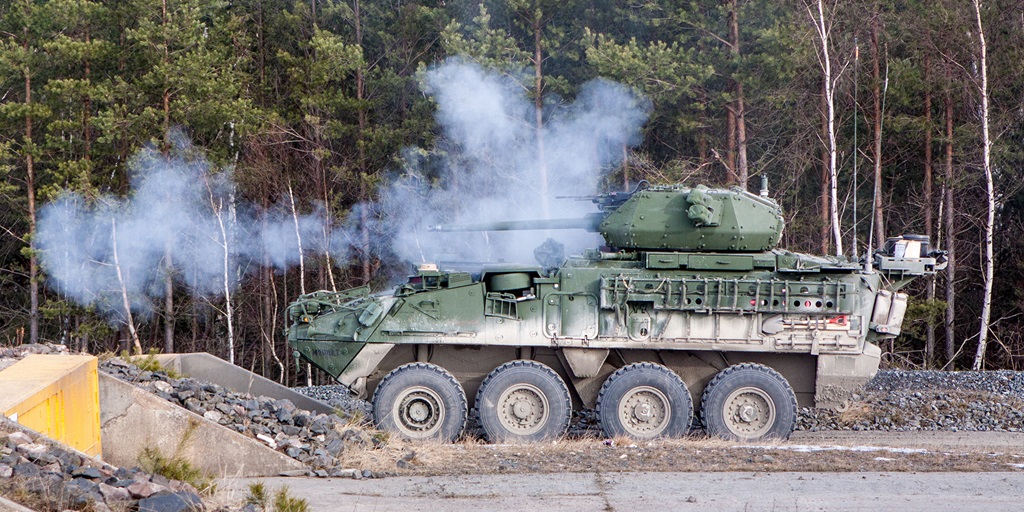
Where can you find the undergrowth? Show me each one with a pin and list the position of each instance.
(281, 501)
(149, 363)
(176, 466)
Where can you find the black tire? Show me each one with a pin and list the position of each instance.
(523, 401)
(644, 401)
(748, 402)
(420, 401)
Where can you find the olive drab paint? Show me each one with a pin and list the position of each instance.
(691, 279)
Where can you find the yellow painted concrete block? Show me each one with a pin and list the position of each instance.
(57, 396)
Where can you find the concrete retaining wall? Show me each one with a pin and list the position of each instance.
(132, 419)
(204, 366)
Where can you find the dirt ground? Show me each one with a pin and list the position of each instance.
(834, 451)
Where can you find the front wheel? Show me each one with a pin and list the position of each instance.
(644, 401)
(420, 401)
(749, 402)
(523, 401)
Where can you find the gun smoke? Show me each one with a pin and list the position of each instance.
(184, 218)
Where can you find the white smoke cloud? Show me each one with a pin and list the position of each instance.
(485, 167)
(490, 167)
(179, 209)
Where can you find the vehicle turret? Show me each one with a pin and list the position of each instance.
(670, 218)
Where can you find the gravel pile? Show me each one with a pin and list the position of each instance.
(338, 397)
(316, 440)
(1002, 382)
(929, 400)
(44, 474)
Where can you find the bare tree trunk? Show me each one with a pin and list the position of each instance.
(298, 239)
(217, 207)
(823, 194)
(30, 186)
(228, 312)
(270, 309)
(302, 269)
(730, 145)
(826, 66)
(990, 221)
(951, 238)
(328, 233)
(270, 315)
(538, 107)
(168, 301)
(169, 276)
(742, 171)
(364, 192)
(876, 94)
(929, 231)
(124, 291)
(625, 168)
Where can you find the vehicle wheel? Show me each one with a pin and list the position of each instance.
(748, 402)
(420, 401)
(644, 401)
(523, 401)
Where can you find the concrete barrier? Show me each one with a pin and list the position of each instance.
(204, 366)
(7, 505)
(57, 396)
(133, 419)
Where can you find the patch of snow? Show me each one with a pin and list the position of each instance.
(804, 448)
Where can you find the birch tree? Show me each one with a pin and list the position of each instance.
(989, 263)
(122, 282)
(217, 207)
(823, 28)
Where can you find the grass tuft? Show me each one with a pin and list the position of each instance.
(177, 467)
(285, 502)
(149, 363)
(258, 495)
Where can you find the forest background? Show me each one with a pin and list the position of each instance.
(871, 118)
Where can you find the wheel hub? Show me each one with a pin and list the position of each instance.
(523, 409)
(645, 411)
(749, 412)
(419, 411)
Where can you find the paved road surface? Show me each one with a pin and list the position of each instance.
(748, 492)
(629, 492)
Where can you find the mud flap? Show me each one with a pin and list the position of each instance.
(840, 376)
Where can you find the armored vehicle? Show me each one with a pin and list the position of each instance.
(690, 312)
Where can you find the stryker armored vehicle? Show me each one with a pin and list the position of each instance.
(689, 312)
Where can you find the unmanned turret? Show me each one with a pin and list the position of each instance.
(670, 218)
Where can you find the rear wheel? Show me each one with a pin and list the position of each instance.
(523, 401)
(420, 401)
(644, 401)
(749, 402)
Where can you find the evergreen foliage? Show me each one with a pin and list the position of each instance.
(320, 103)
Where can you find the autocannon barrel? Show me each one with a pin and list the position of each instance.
(590, 222)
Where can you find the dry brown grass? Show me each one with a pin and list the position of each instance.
(857, 412)
(691, 454)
